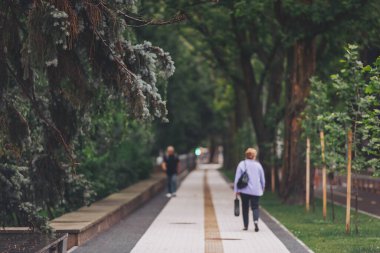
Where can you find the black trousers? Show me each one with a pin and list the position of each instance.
(246, 200)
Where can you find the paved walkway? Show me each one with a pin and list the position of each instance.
(122, 237)
(201, 219)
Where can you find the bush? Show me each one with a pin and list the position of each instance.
(122, 164)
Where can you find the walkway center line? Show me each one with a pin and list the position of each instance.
(213, 242)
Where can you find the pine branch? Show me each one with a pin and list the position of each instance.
(34, 104)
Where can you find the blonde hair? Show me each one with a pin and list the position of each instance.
(251, 153)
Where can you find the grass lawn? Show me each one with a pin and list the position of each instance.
(324, 236)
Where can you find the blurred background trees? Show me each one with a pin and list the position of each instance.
(86, 101)
(266, 52)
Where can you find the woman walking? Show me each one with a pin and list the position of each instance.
(250, 194)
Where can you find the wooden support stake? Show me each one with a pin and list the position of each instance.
(273, 181)
(348, 203)
(307, 174)
(324, 176)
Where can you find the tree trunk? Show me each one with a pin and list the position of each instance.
(236, 120)
(302, 61)
(263, 123)
(213, 150)
(324, 176)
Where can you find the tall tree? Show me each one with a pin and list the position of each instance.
(193, 117)
(304, 22)
(242, 39)
(261, 46)
(55, 56)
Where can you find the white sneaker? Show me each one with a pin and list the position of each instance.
(174, 194)
(168, 195)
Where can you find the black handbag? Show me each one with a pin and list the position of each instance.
(237, 207)
(243, 180)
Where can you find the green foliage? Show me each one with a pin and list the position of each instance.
(73, 77)
(348, 100)
(249, 42)
(117, 165)
(245, 138)
(60, 64)
(196, 96)
(234, 41)
(369, 125)
(15, 199)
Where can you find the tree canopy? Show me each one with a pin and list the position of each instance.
(59, 61)
(348, 100)
(268, 51)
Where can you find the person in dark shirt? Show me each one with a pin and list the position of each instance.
(170, 166)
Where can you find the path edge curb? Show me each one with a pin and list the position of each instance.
(146, 195)
(286, 230)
